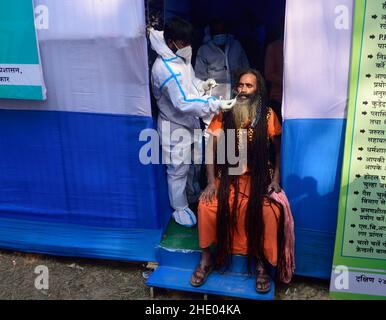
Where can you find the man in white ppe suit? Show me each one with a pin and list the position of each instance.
(181, 100)
(220, 58)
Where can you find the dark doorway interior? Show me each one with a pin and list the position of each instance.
(254, 23)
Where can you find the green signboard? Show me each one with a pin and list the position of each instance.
(21, 75)
(359, 268)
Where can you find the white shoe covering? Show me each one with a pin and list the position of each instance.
(185, 217)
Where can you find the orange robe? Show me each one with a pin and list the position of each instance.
(207, 213)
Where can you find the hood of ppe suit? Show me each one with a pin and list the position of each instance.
(179, 94)
(159, 45)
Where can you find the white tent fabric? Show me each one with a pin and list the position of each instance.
(94, 57)
(317, 58)
(90, 19)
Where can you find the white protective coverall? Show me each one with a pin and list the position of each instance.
(181, 101)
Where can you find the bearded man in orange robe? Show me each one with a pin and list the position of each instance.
(235, 212)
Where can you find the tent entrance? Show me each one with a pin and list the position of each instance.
(254, 23)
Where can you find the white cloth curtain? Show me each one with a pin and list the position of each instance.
(317, 58)
(94, 57)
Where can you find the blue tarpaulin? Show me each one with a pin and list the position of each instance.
(71, 181)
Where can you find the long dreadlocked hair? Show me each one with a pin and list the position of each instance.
(258, 159)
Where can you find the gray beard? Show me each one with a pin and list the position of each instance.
(244, 112)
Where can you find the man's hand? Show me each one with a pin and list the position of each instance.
(274, 187)
(209, 193)
(209, 84)
(227, 105)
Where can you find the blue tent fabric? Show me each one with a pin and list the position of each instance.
(71, 182)
(72, 240)
(312, 155)
(79, 170)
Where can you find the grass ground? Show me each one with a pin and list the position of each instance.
(78, 279)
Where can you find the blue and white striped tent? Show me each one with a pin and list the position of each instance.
(317, 59)
(70, 178)
(71, 182)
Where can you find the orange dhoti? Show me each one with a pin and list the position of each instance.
(207, 214)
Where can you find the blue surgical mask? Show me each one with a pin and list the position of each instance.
(220, 39)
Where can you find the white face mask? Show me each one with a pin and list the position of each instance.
(185, 53)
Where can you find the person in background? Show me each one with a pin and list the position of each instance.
(274, 70)
(220, 58)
